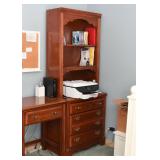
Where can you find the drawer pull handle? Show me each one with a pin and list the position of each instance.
(77, 118)
(35, 116)
(55, 113)
(77, 139)
(77, 129)
(97, 133)
(77, 107)
(97, 123)
(98, 113)
(100, 103)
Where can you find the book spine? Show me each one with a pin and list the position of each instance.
(91, 35)
(85, 38)
(91, 56)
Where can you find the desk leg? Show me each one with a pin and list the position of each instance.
(62, 138)
(42, 135)
(23, 136)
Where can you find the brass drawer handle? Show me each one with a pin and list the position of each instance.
(77, 107)
(97, 133)
(98, 113)
(97, 123)
(77, 129)
(100, 103)
(77, 118)
(35, 116)
(54, 113)
(77, 139)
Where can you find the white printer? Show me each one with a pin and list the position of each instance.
(80, 89)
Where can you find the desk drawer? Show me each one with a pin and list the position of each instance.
(87, 116)
(86, 106)
(43, 115)
(96, 124)
(85, 138)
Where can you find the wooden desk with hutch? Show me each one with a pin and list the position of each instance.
(79, 123)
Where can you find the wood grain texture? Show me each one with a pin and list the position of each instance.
(81, 123)
(122, 109)
(84, 117)
(51, 113)
(63, 61)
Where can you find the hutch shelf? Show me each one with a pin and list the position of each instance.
(71, 45)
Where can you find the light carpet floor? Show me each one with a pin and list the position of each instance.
(93, 151)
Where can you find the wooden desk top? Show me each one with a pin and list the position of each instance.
(35, 102)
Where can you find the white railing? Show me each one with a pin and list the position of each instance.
(130, 143)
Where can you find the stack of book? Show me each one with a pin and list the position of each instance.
(87, 37)
(80, 38)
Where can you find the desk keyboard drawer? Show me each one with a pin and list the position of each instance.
(86, 106)
(87, 137)
(96, 124)
(43, 115)
(87, 116)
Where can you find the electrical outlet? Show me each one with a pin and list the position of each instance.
(112, 129)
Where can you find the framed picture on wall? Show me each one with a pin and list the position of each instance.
(30, 51)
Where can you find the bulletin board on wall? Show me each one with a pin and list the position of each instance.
(30, 51)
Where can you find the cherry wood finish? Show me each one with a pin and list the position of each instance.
(63, 60)
(83, 117)
(32, 142)
(78, 68)
(76, 46)
(68, 125)
(89, 136)
(51, 113)
(85, 123)
(43, 115)
(89, 125)
(85, 106)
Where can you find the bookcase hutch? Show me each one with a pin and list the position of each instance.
(85, 119)
(63, 60)
(68, 125)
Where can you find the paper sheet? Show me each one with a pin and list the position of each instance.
(31, 36)
(24, 56)
(29, 49)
